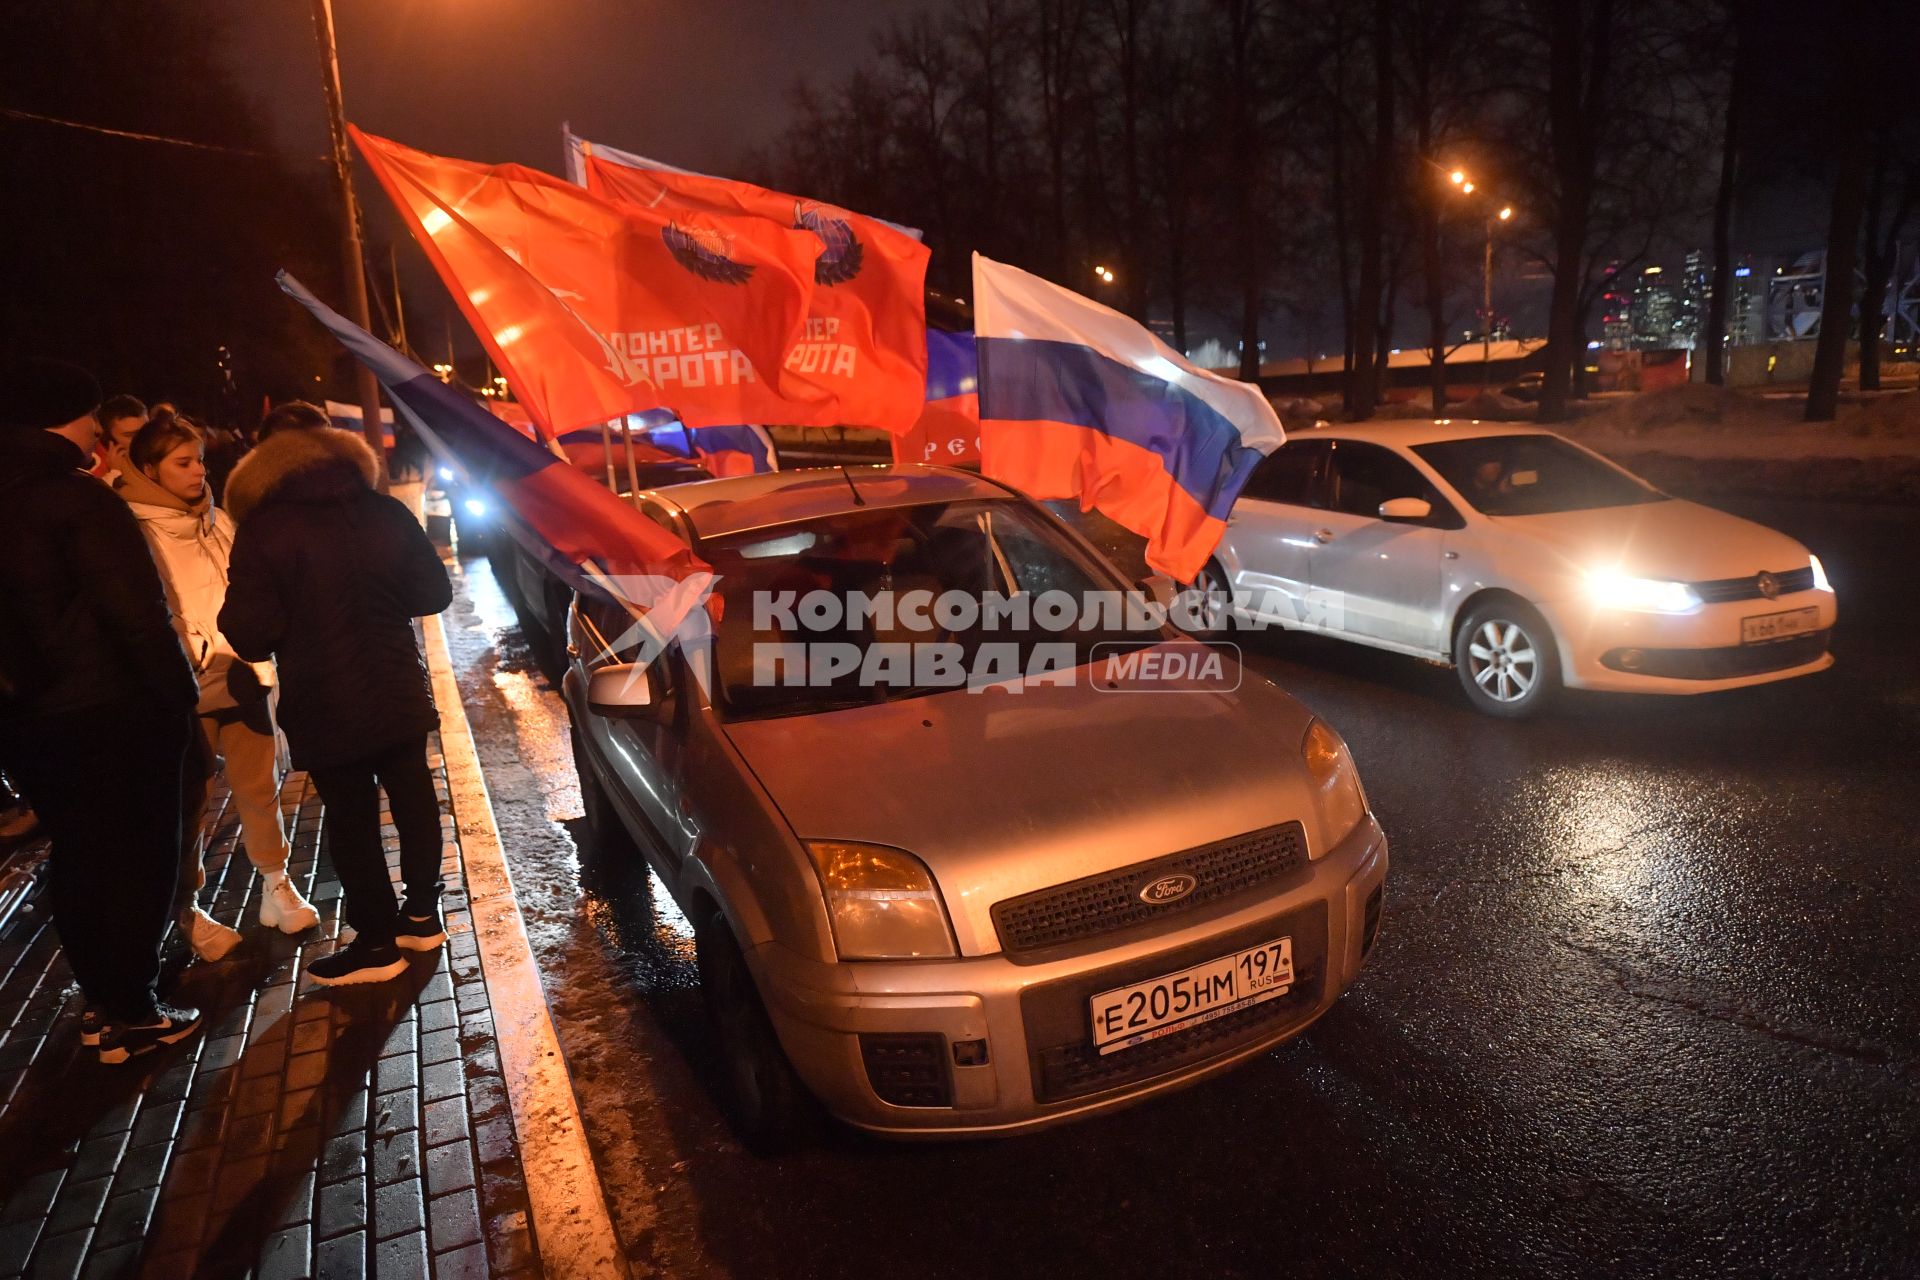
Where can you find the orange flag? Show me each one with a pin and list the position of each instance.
(595, 309)
(866, 335)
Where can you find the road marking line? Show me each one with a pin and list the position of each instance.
(572, 1229)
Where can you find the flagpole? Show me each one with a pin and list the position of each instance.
(352, 257)
(633, 476)
(606, 454)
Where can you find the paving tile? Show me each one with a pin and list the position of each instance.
(469, 1263)
(180, 1221)
(509, 1240)
(444, 1121)
(16, 1243)
(341, 1258)
(300, 1107)
(347, 1114)
(33, 1196)
(449, 1168)
(396, 1112)
(306, 1070)
(494, 1141)
(125, 1218)
(156, 1123)
(143, 1167)
(395, 1156)
(286, 1255)
(402, 1258)
(454, 1220)
(79, 1206)
(442, 1080)
(170, 1265)
(98, 1157)
(308, 1036)
(439, 1046)
(438, 1016)
(340, 1207)
(344, 1156)
(399, 1208)
(297, 1203)
(59, 1257)
(110, 1263)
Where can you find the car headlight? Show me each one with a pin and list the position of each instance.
(1643, 595)
(475, 507)
(1820, 582)
(882, 902)
(1336, 783)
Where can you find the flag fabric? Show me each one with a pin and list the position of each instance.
(1079, 401)
(947, 432)
(594, 309)
(743, 450)
(865, 340)
(583, 532)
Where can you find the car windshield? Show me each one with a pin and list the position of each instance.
(878, 604)
(1528, 475)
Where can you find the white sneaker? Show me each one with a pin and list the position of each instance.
(209, 939)
(283, 908)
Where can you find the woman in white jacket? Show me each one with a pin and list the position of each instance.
(165, 484)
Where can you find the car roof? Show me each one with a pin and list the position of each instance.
(732, 505)
(1413, 431)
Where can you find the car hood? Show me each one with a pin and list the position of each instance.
(1671, 540)
(1001, 793)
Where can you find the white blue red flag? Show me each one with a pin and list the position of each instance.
(1079, 401)
(582, 531)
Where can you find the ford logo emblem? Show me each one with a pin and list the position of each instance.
(1157, 893)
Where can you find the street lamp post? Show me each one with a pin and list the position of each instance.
(1460, 180)
(352, 258)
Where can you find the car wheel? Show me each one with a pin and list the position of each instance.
(1215, 615)
(605, 832)
(770, 1108)
(1506, 660)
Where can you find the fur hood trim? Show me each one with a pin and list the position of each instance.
(317, 464)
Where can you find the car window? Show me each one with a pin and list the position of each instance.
(1526, 475)
(977, 549)
(1290, 474)
(1362, 476)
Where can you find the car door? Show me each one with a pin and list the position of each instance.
(645, 757)
(1269, 540)
(1379, 579)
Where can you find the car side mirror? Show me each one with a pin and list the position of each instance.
(1158, 587)
(1405, 509)
(625, 691)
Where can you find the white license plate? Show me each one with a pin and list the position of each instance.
(1127, 1016)
(1775, 626)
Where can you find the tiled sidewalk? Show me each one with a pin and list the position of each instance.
(357, 1131)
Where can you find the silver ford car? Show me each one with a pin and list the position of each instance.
(1020, 880)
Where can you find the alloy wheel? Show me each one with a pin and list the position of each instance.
(1504, 662)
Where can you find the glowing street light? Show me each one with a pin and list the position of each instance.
(1104, 273)
(1456, 177)
(1467, 187)
(1506, 212)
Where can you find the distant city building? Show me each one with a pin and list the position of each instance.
(1653, 311)
(1696, 289)
(1616, 319)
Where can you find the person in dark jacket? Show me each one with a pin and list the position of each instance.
(327, 576)
(91, 671)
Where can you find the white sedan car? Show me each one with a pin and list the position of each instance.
(1520, 558)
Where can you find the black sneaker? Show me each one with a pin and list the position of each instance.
(92, 1022)
(358, 962)
(120, 1041)
(419, 932)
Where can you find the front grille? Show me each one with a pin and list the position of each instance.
(908, 1070)
(1723, 590)
(1723, 663)
(1060, 1050)
(1108, 903)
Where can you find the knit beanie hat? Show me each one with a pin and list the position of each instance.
(36, 394)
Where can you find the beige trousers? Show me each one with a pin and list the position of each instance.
(253, 778)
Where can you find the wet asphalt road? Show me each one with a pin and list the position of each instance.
(1645, 1002)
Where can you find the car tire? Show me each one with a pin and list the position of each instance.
(1504, 654)
(1216, 590)
(770, 1108)
(607, 835)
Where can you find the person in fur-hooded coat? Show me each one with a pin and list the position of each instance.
(327, 576)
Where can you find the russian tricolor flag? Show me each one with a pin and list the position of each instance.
(586, 534)
(1078, 401)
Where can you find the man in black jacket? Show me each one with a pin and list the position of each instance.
(327, 576)
(91, 674)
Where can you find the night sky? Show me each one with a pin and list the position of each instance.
(690, 82)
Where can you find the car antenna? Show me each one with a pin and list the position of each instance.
(846, 475)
